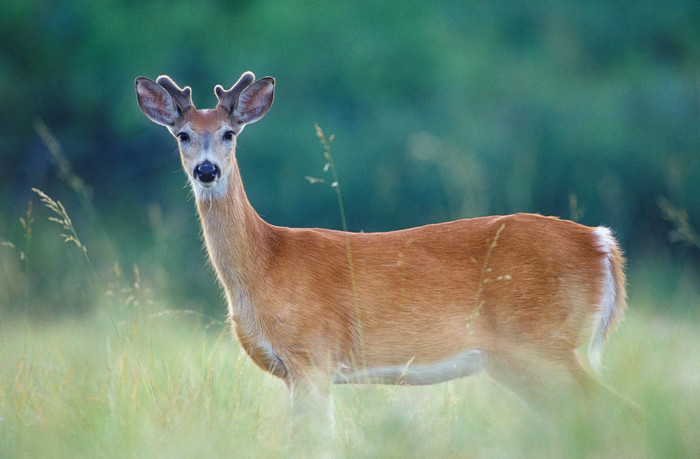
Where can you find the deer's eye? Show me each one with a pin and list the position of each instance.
(228, 135)
(183, 136)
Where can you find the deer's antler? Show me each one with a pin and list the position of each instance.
(182, 97)
(228, 99)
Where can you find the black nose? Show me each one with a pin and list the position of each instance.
(207, 172)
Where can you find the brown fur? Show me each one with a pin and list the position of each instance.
(523, 288)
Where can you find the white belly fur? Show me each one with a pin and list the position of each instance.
(463, 364)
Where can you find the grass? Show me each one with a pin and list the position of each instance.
(134, 377)
(138, 379)
(71, 393)
(67, 390)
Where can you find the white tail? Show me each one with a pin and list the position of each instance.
(515, 295)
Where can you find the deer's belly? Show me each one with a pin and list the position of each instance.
(463, 364)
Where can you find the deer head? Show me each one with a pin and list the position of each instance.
(206, 138)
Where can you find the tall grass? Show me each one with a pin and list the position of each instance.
(139, 378)
(73, 393)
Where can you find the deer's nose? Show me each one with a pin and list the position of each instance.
(206, 172)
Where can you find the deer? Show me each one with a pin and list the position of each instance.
(516, 296)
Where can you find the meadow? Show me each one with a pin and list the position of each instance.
(113, 341)
(137, 376)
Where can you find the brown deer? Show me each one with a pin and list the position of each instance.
(514, 295)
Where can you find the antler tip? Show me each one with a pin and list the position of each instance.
(165, 79)
(182, 96)
(228, 98)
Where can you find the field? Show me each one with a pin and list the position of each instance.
(134, 377)
(113, 341)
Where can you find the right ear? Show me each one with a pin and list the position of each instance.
(156, 103)
(254, 101)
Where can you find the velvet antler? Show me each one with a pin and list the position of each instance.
(182, 97)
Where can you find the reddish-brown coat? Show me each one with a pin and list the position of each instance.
(516, 294)
(416, 292)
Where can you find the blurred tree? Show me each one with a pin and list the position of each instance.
(440, 110)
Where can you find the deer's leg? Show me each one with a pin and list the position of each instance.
(541, 380)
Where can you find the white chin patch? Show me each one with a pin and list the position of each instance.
(210, 190)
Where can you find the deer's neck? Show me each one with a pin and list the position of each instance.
(236, 239)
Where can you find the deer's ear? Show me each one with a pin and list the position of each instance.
(255, 101)
(156, 103)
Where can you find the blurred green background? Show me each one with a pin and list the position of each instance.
(587, 110)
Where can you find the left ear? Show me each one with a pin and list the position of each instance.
(254, 101)
(156, 103)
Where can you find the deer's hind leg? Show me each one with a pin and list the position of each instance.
(542, 381)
